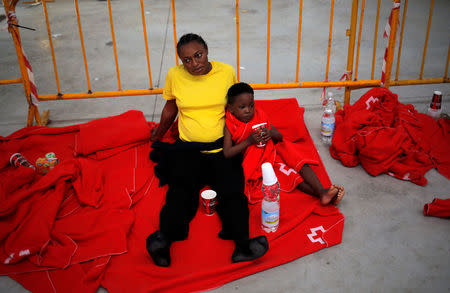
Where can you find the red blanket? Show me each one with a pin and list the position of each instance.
(84, 224)
(284, 156)
(386, 136)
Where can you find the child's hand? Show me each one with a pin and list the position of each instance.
(266, 135)
(254, 137)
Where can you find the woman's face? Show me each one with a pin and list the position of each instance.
(195, 58)
(243, 107)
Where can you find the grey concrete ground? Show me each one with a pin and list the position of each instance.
(388, 245)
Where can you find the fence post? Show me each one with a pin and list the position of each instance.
(391, 44)
(33, 111)
(351, 48)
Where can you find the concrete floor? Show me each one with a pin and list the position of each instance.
(388, 245)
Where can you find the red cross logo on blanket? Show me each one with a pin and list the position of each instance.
(284, 169)
(314, 233)
(371, 100)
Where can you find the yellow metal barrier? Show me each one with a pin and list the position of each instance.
(351, 77)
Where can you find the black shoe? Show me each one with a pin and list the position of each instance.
(225, 236)
(158, 246)
(252, 249)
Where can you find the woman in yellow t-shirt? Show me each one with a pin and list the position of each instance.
(196, 91)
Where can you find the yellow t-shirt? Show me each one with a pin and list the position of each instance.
(200, 99)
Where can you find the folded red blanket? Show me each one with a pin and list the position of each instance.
(111, 132)
(437, 208)
(203, 261)
(386, 136)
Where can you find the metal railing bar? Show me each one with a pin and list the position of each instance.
(44, 5)
(144, 29)
(114, 45)
(82, 46)
(430, 16)
(400, 44)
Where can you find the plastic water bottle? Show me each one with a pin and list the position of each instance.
(328, 120)
(270, 205)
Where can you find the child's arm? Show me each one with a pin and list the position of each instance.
(273, 134)
(230, 150)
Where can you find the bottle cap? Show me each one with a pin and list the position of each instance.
(269, 177)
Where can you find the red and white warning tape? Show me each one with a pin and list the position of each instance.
(345, 76)
(386, 34)
(33, 90)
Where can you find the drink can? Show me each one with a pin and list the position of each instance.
(436, 101)
(209, 201)
(260, 128)
(17, 159)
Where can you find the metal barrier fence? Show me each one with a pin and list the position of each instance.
(349, 78)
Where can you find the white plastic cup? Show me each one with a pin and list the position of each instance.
(268, 174)
(209, 201)
(260, 128)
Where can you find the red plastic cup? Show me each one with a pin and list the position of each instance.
(436, 101)
(260, 128)
(209, 201)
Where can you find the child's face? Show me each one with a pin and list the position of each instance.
(243, 107)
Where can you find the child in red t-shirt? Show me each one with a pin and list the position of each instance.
(292, 168)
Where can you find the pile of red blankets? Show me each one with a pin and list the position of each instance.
(386, 136)
(84, 224)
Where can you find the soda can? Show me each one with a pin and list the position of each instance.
(17, 159)
(209, 201)
(436, 101)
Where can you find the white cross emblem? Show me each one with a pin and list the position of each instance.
(284, 169)
(371, 100)
(314, 233)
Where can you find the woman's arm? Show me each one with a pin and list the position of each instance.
(168, 115)
(230, 150)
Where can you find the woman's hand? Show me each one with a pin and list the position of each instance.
(168, 115)
(153, 136)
